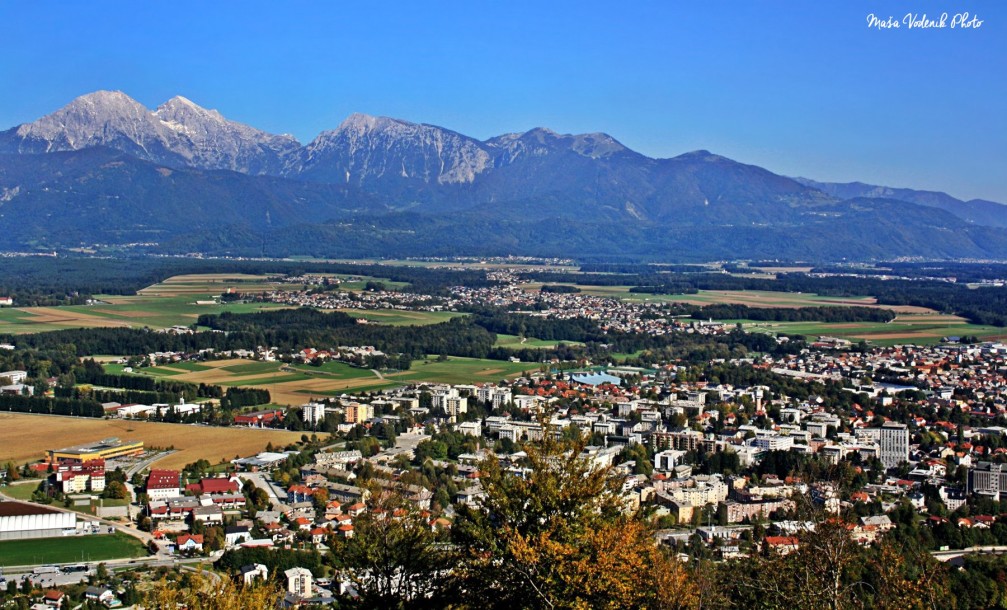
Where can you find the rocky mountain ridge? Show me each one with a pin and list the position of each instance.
(379, 176)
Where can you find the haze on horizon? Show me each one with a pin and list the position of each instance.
(802, 89)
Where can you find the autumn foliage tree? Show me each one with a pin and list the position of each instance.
(556, 535)
(211, 593)
(394, 558)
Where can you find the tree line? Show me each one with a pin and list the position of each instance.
(79, 407)
(727, 311)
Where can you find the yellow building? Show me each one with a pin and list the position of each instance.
(105, 449)
(357, 413)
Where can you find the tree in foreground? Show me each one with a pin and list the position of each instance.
(555, 535)
(211, 593)
(394, 558)
(830, 570)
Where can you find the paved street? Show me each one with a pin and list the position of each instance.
(277, 495)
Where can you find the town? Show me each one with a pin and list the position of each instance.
(728, 459)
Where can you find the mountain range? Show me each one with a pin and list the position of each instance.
(106, 170)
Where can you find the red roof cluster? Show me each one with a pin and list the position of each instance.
(163, 479)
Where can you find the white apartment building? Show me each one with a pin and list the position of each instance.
(313, 413)
(299, 582)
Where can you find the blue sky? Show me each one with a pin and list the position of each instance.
(799, 87)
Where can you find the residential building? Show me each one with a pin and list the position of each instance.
(988, 479)
(163, 484)
(253, 571)
(357, 413)
(299, 582)
(313, 413)
(894, 443)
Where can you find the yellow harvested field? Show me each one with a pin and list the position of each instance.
(300, 392)
(217, 376)
(25, 438)
(184, 285)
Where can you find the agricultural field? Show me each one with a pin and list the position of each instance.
(513, 341)
(287, 384)
(70, 549)
(398, 317)
(26, 437)
(751, 298)
(154, 309)
(198, 285)
(461, 370)
(173, 302)
(765, 298)
(296, 384)
(905, 328)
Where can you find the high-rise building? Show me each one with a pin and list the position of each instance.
(357, 413)
(894, 442)
(313, 413)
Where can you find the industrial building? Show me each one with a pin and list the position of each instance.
(104, 449)
(20, 521)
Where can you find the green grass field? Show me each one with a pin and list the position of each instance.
(70, 549)
(20, 491)
(340, 370)
(460, 370)
(251, 368)
(157, 371)
(904, 329)
(360, 389)
(515, 342)
(397, 317)
(148, 310)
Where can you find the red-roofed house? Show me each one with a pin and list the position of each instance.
(299, 493)
(54, 598)
(189, 542)
(782, 544)
(163, 484)
(318, 535)
(216, 485)
(259, 418)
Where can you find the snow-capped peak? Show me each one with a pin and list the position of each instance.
(179, 132)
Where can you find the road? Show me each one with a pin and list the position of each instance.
(146, 463)
(972, 550)
(155, 561)
(277, 495)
